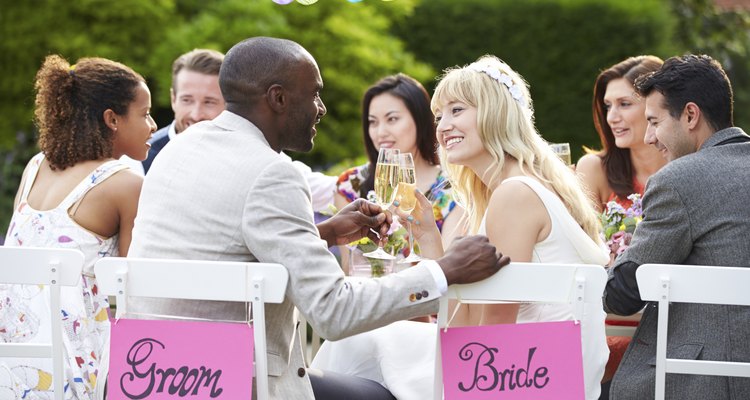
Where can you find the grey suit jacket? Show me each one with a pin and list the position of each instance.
(219, 192)
(697, 212)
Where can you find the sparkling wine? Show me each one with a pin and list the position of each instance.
(386, 181)
(405, 197)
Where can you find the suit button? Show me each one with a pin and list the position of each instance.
(418, 296)
(301, 372)
(425, 294)
(412, 297)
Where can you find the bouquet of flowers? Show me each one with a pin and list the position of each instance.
(619, 224)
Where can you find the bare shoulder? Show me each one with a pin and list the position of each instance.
(514, 198)
(590, 169)
(590, 165)
(123, 186)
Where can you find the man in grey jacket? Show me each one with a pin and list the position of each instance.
(696, 213)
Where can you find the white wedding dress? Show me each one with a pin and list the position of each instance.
(401, 356)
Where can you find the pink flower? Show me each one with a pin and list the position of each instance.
(619, 242)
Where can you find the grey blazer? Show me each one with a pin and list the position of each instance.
(697, 212)
(219, 192)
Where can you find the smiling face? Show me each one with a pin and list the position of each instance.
(458, 134)
(669, 135)
(625, 113)
(196, 97)
(391, 125)
(135, 128)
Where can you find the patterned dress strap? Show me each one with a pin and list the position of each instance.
(31, 172)
(99, 175)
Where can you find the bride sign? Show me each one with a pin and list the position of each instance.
(514, 361)
(179, 359)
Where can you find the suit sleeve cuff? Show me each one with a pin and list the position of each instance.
(437, 273)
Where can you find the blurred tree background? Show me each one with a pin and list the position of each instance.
(559, 46)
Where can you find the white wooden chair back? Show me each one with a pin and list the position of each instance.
(665, 283)
(42, 266)
(525, 282)
(256, 283)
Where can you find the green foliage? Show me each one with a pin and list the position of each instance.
(125, 31)
(353, 49)
(725, 36)
(558, 46)
(351, 43)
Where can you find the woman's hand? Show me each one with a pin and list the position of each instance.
(422, 218)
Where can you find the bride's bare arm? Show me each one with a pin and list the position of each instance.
(516, 221)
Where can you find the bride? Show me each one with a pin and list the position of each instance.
(514, 190)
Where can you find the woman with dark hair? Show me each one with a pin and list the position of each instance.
(396, 114)
(75, 194)
(625, 162)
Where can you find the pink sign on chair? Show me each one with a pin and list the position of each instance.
(180, 359)
(514, 361)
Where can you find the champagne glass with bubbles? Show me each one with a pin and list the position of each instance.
(563, 151)
(386, 181)
(406, 200)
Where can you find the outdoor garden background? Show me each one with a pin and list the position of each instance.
(559, 46)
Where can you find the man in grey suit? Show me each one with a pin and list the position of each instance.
(695, 212)
(237, 198)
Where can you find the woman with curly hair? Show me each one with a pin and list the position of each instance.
(75, 194)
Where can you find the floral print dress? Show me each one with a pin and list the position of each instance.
(24, 309)
(440, 194)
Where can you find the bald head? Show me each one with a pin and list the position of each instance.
(253, 65)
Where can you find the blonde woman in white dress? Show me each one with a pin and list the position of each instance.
(514, 190)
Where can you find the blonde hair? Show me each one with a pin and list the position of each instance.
(505, 125)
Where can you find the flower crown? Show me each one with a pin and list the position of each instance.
(515, 89)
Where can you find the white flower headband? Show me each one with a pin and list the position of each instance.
(505, 79)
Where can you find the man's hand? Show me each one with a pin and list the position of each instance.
(354, 222)
(471, 259)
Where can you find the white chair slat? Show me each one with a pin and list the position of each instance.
(525, 282)
(53, 267)
(250, 282)
(666, 283)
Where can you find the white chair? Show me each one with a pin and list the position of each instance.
(256, 283)
(310, 350)
(526, 282)
(666, 283)
(42, 266)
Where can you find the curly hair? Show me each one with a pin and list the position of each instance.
(70, 104)
(616, 161)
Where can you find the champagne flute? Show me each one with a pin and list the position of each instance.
(563, 151)
(386, 181)
(406, 200)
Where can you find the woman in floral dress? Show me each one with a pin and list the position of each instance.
(396, 114)
(75, 194)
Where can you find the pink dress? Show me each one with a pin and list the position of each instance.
(24, 309)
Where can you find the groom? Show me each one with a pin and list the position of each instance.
(695, 212)
(237, 198)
